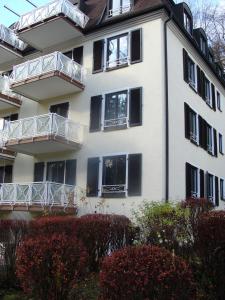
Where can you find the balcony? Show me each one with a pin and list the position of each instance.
(8, 99)
(37, 196)
(47, 77)
(10, 46)
(52, 24)
(42, 134)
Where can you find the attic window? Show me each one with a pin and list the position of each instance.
(118, 7)
(187, 22)
(203, 44)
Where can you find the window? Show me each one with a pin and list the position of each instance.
(192, 181)
(207, 92)
(211, 58)
(6, 174)
(187, 23)
(191, 73)
(76, 55)
(112, 53)
(114, 175)
(222, 189)
(203, 44)
(218, 101)
(210, 187)
(56, 171)
(221, 143)
(116, 110)
(60, 109)
(117, 7)
(209, 139)
(193, 126)
(117, 51)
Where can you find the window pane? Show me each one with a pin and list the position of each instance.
(110, 107)
(112, 53)
(123, 49)
(55, 171)
(116, 108)
(114, 170)
(116, 7)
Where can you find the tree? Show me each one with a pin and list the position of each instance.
(211, 17)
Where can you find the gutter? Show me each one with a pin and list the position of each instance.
(166, 110)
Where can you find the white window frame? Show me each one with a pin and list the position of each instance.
(122, 10)
(208, 99)
(187, 20)
(222, 197)
(192, 83)
(221, 144)
(196, 194)
(210, 148)
(195, 136)
(128, 33)
(211, 197)
(101, 171)
(218, 100)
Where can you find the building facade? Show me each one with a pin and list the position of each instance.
(108, 103)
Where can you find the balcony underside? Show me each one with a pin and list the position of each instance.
(42, 145)
(50, 32)
(8, 53)
(6, 154)
(37, 208)
(7, 102)
(46, 86)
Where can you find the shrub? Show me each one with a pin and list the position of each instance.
(102, 234)
(145, 272)
(52, 224)
(210, 247)
(11, 235)
(196, 207)
(47, 266)
(165, 224)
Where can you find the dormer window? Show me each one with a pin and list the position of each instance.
(118, 7)
(187, 22)
(203, 44)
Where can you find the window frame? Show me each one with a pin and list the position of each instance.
(218, 100)
(222, 189)
(203, 45)
(210, 147)
(106, 56)
(221, 149)
(192, 81)
(100, 181)
(194, 136)
(121, 9)
(187, 19)
(208, 88)
(209, 185)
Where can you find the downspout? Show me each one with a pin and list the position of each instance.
(166, 110)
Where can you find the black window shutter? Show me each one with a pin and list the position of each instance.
(188, 180)
(8, 174)
(95, 113)
(98, 54)
(213, 97)
(202, 184)
(70, 176)
(134, 174)
(199, 81)
(203, 84)
(135, 113)
(185, 65)
(187, 120)
(216, 191)
(39, 171)
(136, 46)
(78, 55)
(215, 142)
(200, 128)
(92, 177)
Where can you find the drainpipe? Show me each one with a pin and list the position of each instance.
(166, 110)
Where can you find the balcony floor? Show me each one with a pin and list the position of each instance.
(8, 53)
(47, 86)
(7, 102)
(42, 145)
(37, 208)
(50, 32)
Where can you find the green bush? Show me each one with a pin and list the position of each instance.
(166, 225)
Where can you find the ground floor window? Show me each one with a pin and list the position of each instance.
(210, 187)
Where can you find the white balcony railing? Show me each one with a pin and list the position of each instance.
(52, 9)
(119, 10)
(38, 193)
(51, 62)
(123, 121)
(43, 125)
(8, 36)
(5, 88)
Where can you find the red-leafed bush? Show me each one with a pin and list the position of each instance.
(210, 247)
(103, 234)
(53, 224)
(11, 235)
(145, 272)
(47, 266)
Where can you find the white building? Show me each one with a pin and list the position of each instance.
(106, 103)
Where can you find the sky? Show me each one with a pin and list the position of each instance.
(19, 6)
(22, 6)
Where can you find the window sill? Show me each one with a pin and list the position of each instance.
(193, 88)
(114, 195)
(114, 128)
(108, 69)
(194, 142)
